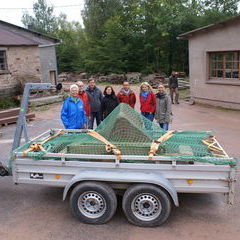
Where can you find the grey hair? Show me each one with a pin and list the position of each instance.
(74, 86)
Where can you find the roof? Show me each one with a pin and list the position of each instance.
(209, 27)
(8, 38)
(54, 40)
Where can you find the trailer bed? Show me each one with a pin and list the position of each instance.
(59, 169)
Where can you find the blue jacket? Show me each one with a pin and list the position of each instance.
(73, 114)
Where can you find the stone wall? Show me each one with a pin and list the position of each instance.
(23, 64)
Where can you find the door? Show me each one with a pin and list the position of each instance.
(53, 78)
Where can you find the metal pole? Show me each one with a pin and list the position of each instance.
(21, 123)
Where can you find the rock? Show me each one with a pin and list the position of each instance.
(72, 77)
(155, 79)
(134, 77)
(117, 78)
(63, 77)
(103, 78)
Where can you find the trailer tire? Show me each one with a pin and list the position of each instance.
(93, 202)
(146, 205)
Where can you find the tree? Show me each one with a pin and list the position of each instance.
(69, 51)
(43, 20)
(128, 35)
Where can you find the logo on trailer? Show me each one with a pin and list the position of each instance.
(36, 175)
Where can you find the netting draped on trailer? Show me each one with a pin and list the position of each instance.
(132, 134)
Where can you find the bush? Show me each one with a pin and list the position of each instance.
(6, 103)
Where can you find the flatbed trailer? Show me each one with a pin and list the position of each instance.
(150, 187)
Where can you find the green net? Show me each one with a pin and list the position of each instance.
(132, 134)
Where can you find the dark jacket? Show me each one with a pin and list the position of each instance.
(163, 108)
(173, 81)
(73, 115)
(109, 102)
(129, 98)
(95, 99)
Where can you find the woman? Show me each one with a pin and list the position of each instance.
(147, 101)
(163, 108)
(109, 101)
(73, 114)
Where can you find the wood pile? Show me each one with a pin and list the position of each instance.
(11, 116)
(154, 79)
(181, 84)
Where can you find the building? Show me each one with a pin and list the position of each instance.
(214, 63)
(25, 56)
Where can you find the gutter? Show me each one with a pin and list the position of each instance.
(49, 45)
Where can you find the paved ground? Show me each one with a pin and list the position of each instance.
(37, 212)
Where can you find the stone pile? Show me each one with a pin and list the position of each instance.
(116, 78)
(134, 77)
(154, 79)
(72, 77)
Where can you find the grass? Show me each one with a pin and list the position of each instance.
(185, 93)
(8, 102)
(40, 109)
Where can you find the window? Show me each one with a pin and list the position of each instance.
(224, 65)
(3, 60)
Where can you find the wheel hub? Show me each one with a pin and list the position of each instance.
(146, 207)
(92, 204)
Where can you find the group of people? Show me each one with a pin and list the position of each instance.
(84, 106)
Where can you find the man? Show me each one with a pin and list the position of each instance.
(126, 95)
(95, 100)
(73, 114)
(173, 86)
(84, 97)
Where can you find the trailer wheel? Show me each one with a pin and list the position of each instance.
(146, 205)
(93, 202)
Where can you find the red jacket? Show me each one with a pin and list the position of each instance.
(84, 97)
(129, 99)
(148, 105)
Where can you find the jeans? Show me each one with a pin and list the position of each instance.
(149, 116)
(164, 126)
(97, 116)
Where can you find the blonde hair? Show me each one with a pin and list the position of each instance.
(146, 84)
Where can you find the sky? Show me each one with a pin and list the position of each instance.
(12, 10)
